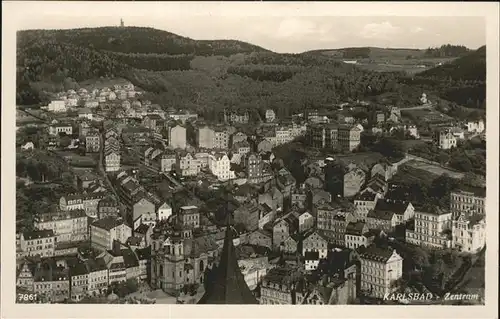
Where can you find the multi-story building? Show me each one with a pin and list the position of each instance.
(178, 259)
(57, 106)
(242, 148)
(355, 235)
(254, 168)
(380, 219)
(51, 281)
(189, 216)
(104, 231)
(345, 137)
(221, 138)
(188, 165)
(315, 241)
(220, 165)
(55, 129)
(92, 142)
(167, 162)
(238, 137)
(403, 210)
(236, 116)
(475, 126)
(349, 137)
(306, 221)
(68, 226)
(445, 139)
(284, 227)
(430, 227)
(365, 202)
(112, 160)
(98, 280)
(380, 269)
(469, 202)
(38, 243)
(468, 233)
(91, 203)
(177, 137)
(86, 113)
(78, 280)
(164, 211)
(277, 287)
(71, 202)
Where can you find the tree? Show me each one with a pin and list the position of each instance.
(390, 147)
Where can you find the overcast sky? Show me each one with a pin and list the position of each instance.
(294, 31)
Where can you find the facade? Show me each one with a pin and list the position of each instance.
(270, 116)
(164, 211)
(254, 168)
(365, 202)
(355, 235)
(331, 136)
(56, 129)
(379, 219)
(190, 216)
(469, 233)
(67, 226)
(475, 126)
(306, 221)
(38, 243)
(380, 268)
(349, 137)
(78, 280)
(277, 287)
(188, 165)
(403, 211)
(445, 139)
(167, 162)
(177, 137)
(92, 142)
(315, 242)
(112, 160)
(57, 106)
(283, 228)
(104, 231)
(206, 137)
(430, 227)
(97, 276)
(468, 202)
(220, 166)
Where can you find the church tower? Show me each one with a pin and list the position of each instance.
(228, 285)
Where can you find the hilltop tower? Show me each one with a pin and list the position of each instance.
(122, 24)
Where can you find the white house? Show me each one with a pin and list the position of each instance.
(270, 115)
(164, 211)
(220, 165)
(57, 106)
(475, 126)
(306, 221)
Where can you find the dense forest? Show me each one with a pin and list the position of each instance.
(447, 50)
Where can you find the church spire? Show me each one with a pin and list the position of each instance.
(228, 286)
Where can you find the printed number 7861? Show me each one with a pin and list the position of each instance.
(27, 297)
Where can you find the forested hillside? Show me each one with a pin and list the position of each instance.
(210, 75)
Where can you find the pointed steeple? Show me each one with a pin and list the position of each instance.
(228, 286)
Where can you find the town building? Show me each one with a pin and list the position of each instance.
(38, 243)
(112, 160)
(86, 113)
(57, 106)
(468, 233)
(168, 162)
(177, 137)
(380, 269)
(278, 287)
(178, 259)
(355, 235)
(67, 226)
(92, 142)
(284, 227)
(189, 216)
(51, 280)
(311, 260)
(316, 242)
(103, 232)
(469, 201)
(220, 165)
(188, 165)
(365, 202)
(242, 148)
(56, 129)
(353, 181)
(97, 276)
(432, 228)
(445, 139)
(306, 221)
(78, 280)
(254, 168)
(475, 126)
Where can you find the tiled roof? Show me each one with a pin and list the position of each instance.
(397, 207)
(311, 255)
(38, 234)
(380, 214)
(376, 254)
(143, 253)
(129, 258)
(355, 228)
(107, 223)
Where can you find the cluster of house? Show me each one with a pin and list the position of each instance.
(448, 137)
(90, 99)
